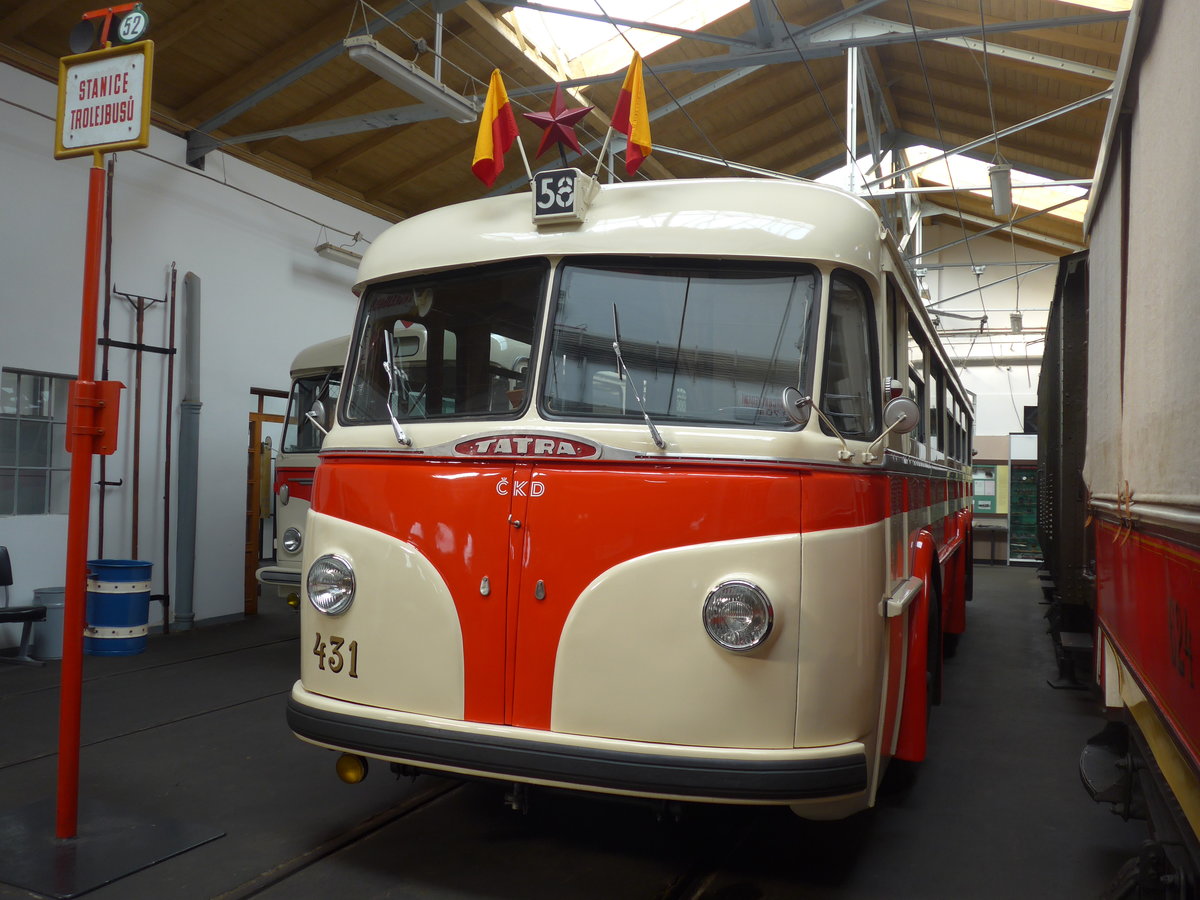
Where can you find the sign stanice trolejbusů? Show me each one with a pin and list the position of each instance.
(104, 100)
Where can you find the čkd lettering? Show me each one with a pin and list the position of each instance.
(506, 488)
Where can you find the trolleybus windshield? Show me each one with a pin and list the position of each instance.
(460, 344)
(702, 344)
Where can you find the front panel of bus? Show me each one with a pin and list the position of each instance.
(295, 465)
(565, 532)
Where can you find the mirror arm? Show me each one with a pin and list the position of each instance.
(311, 416)
(844, 454)
(868, 456)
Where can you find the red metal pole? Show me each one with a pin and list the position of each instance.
(79, 512)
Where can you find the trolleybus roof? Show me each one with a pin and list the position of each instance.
(731, 218)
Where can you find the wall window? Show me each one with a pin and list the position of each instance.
(35, 469)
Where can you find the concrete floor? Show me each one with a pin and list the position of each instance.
(187, 744)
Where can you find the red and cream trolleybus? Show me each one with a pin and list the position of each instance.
(316, 381)
(700, 543)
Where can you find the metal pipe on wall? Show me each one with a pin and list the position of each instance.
(189, 456)
(108, 192)
(170, 414)
(140, 312)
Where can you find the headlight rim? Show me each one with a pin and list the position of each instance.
(340, 606)
(299, 541)
(759, 593)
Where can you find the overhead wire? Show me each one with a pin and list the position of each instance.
(937, 123)
(682, 108)
(278, 171)
(998, 157)
(476, 83)
(852, 153)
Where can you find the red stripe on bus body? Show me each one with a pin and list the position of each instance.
(298, 479)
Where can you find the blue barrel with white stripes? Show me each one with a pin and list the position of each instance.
(118, 607)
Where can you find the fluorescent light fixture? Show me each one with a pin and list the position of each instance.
(1000, 176)
(338, 254)
(369, 53)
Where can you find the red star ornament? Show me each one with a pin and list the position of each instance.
(559, 123)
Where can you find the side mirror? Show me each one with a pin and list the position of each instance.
(316, 415)
(796, 406)
(901, 415)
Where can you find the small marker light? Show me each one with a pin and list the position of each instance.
(350, 768)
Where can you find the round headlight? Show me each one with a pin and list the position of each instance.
(284, 494)
(738, 615)
(331, 585)
(291, 540)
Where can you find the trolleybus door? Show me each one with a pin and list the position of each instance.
(461, 518)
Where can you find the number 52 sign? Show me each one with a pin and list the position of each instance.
(562, 195)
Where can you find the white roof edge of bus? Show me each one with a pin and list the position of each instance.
(754, 218)
(321, 357)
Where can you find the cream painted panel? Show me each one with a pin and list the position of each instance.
(842, 636)
(727, 217)
(1163, 330)
(634, 661)
(292, 514)
(403, 619)
(1101, 470)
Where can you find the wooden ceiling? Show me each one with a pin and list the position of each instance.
(763, 87)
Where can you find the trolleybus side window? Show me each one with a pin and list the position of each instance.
(701, 343)
(460, 344)
(895, 334)
(916, 385)
(937, 407)
(952, 430)
(849, 393)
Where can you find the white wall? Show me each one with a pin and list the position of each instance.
(1004, 367)
(248, 236)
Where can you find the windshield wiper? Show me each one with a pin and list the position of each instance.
(389, 366)
(624, 372)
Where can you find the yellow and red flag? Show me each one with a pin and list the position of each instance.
(497, 131)
(632, 118)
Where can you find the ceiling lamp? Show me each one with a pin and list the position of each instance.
(338, 254)
(1000, 176)
(369, 53)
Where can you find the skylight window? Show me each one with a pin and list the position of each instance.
(1106, 5)
(586, 47)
